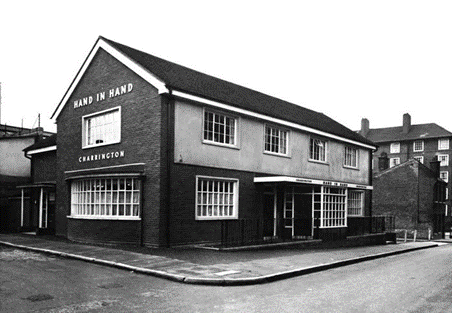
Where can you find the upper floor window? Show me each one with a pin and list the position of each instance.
(351, 157)
(317, 150)
(216, 198)
(394, 161)
(101, 128)
(276, 140)
(444, 175)
(219, 128)
(444, 159)
(443, 144)
(418, 145)
(420, 159)
(395, 147)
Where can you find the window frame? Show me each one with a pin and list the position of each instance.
(390, 162)
(235, 214)
(226, 115)
(333, 208)
(280, 130)
(392, 148)
(84, 194)
(414, 145)
(356, 157)
(311, 139)
(421, 157)
(447, 159)
(85, 145)
(361, 193)
(447, 176)
(439, 143)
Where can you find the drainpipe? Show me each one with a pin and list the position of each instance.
(418, 197)
(169, 160)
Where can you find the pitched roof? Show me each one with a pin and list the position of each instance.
(44, 143)
(419, 131)
(180, 78)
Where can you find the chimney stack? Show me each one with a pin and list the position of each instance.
(383, 162)
(364, 127)
(406, 123)
(435, 166)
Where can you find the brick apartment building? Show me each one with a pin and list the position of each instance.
(422, 142)
(154, 153)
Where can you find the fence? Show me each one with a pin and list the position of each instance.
(361, 225)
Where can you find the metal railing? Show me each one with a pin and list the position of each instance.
(242, 232)
(361, 225)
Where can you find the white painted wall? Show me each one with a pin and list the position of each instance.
(250, 156)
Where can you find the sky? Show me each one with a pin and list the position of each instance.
(346, 59)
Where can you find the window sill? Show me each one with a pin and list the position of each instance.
(277, 154)
(224, 145)
(101, 145)
(318, 162)
(111, 218)
(216, 218)
(351, 167)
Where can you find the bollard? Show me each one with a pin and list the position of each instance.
(406, 234)
(415, 234)
(429, 234)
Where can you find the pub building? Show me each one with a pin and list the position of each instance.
(152, 153)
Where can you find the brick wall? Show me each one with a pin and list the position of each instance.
(43, 167)
(141, 115)
(183, 226)
(407, 193)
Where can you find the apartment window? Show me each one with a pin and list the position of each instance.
(216, 198)
(394, 161)
(106, 198)
(351, 157)
(318, 150)
(333, 210)
(444, 159)
(276, 140)
(419, 158)
(443, 144)
(355, 203)
(444, 175)
(395, 147)
(418, 145)
(102, 128)
(219, 128)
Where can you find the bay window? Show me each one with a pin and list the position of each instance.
(106, 198)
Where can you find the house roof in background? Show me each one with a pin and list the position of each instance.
(44, 143)
(419, 131)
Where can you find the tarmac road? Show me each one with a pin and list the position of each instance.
(419, 281)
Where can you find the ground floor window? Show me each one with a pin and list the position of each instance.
(355, 203)
(334, 205)
(106, 197)
(216, 198)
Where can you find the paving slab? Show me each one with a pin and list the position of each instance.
(194, 266)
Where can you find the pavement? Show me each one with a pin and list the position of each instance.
(194, 265)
